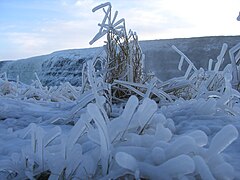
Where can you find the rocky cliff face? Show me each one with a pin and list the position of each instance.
(66, 66)
(161, 59)
(52, 69)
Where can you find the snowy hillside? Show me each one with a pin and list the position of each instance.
(61, 66)
(66, 66)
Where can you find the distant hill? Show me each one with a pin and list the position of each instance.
(160, 58)
(163, 60)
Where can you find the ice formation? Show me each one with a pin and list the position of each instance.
(125, 128)
(121, 150)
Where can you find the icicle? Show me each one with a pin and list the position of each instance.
(114, 17)
(184, 57)
(220, 57)
(210, 64)
(101, 6)
(232, 51)
(95, 113)
(202, 168)
(180, 63)
(222, 139)
(188, 71)
(126, 161)
(38, 81)
(119, 22)
(50, 136)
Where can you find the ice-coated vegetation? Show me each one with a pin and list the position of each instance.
(122, 123)
(140, 142)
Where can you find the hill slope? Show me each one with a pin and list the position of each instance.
(161, 59)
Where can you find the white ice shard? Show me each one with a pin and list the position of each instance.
(173, 168)
(98, 118)
(144, 114)
(223, 171)
(200, 137)
(158, 155)
(222, 139)
(118, 126)
(182, 145)
(202, 168)
(162, 133)
(126, 161)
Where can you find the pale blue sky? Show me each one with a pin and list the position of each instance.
(34, 27)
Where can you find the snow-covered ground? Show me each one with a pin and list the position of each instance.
(182, 130)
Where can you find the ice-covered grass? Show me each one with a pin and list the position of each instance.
(182, 140)
(184, 128)
(64, 132)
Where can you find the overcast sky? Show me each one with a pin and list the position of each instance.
(34, 27)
